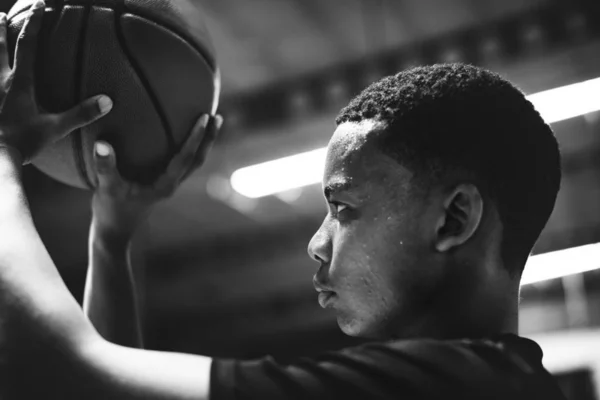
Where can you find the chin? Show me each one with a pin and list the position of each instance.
(350, 331)
(354, 328)
(349, 326)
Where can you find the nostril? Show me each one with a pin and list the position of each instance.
(319, 247)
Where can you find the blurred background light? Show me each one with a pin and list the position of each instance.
(568, 101)
(558, 264)
(280, 175)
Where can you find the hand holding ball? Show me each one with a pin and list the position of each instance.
(154, 59)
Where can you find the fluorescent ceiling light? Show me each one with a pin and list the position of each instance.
(307, 168)
(280, 175)
(561, 263)
(568, 101)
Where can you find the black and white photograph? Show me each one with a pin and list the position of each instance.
(299, 199)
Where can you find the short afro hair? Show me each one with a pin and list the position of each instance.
(457, 117)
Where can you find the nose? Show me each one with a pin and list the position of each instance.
(319, 247)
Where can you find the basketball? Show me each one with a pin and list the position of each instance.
(153, 58)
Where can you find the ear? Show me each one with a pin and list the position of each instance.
(463, 209)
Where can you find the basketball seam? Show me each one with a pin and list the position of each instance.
(59, 14)
(120, 10)
(204, 53)
(212, 62)
(77, 142)
(145, 83)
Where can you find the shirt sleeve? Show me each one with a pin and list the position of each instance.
(423, 369)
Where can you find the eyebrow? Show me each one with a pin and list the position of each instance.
(336, 187)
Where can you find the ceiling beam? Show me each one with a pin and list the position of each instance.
(554, 25)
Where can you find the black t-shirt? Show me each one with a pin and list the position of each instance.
(503, 367)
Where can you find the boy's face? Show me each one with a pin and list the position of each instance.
(372, 244)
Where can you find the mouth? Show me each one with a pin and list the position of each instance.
(325, 298)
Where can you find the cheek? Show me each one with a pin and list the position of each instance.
(364, 270)
(367, 305)
(351, 253)
(373, 263)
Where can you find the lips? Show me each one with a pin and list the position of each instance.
(326, 295)
(325, 298)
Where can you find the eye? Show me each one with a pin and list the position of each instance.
(340, 207)
(337, 207)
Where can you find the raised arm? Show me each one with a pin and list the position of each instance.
(110, 300)
(119, 208)
(48, 348)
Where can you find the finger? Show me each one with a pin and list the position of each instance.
(208, 141)
(210, 136)
(105, 162)
(27, 45)
(4, 59)
(183, 160)
(83, 114)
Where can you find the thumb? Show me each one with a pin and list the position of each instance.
(105, 162)
(83, 114)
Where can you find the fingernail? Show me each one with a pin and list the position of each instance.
(3, 18)
(219, 121)
(204, 120)
(105, 104)
(38, 4)
(102, 149)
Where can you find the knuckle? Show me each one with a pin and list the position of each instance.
(102, 170)
(186, 160)
(112, 188)
(105, 167)
(54, 121)
(85, 113)
(203, 152)
(78, 116)
(136, 190)
(199, 160)
(105, 179)
(166, 189)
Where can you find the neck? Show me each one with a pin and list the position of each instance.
(467, 322)
(480, 308)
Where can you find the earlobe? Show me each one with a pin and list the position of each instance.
(463, 210)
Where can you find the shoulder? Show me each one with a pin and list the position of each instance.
(415, 368)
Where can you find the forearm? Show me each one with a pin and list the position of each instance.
(48, 348)
(40, 320)
(110, 300)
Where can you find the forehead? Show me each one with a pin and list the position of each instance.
(354, 159)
